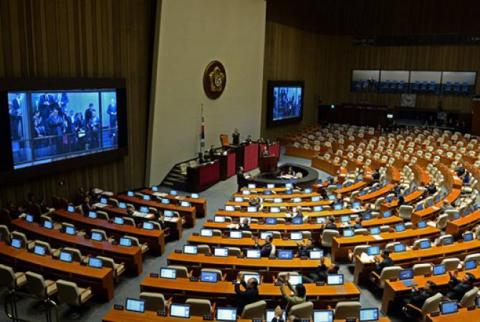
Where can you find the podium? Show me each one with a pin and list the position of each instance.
(203, 176)
(228, 165)
(476, 116)
(268, 163)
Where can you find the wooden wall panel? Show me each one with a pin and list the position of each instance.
(83, 38)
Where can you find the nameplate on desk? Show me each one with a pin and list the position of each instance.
(377, 237)
(160, 194)
(100, 205)
(118, 307)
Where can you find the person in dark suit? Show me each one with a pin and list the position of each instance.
(458, 288)
(386, 261)
(45, 103)
(419, 297)
(112, 112)
(322, 271)
(304, 248)
(331, 224)
(241, 180)
(244, 225)
(266, 249)
(88, 113)
(278, 315)
(16, 116)
(248, 295)
(236, 137)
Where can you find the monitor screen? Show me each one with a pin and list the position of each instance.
(190, 249)
(95, 262)
(251, 209)
(337, 206)
(194, 196)
(130, 194)
(270, 185)
(468, 236)
(447, 240)
(229, 208)
(374, 230)
(48, 224)
(29, 217)
(285, 254)
(335, 279)
(345, 219)
(147, 197)
(219, 219)
(321, 220)
(206, 232)
(209, 277)
(135, 305)
(439, 269)
(103, 200)
(122, 205)
(39, 250)
(317, 208)
(295, 279)
(251, 186)
(356, 205)
(245, 192)
(307, 190)
(387, 214)
(421, 224)
(297, 200)
(238, 199)
(449, 307)
(348, 233)
(127, 242)
(17, 243)
(285, 102)
(323, 316)
(265, 234)
(373, 250)
(169, 273)
(71, 209)
(173, 192)
(226, 314)
(235, 234)
(369, 314)
(296, 236)
(470, 264)
(168, 213)
(147, 225)
(253, 253)
(274, 210)
(66, 257)
(331, 197)
(298, 220)
(400, 227)
(144, 209)
(96, 236)
(69, 230)
(165, 201)
(185, 204)
(154, 188)
(316, 254)
(118, 220)
(220, 252)
(315, 198)
(289, 185)
(398, 248)
(270, 221)
(277, 200)
(180, 310)
(246, 277)
(406, 274)
(92, 214)
(424, 244)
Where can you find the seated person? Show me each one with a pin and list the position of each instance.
(358, 223)
(418, 297)
(401, 201)
(383, 262)
(246, 296)
(376, 175)
(244, 224)
(299, 291)
(278, 313)
(458, 288)
(431, 188)
(304, 248)
(266, 248)
(256, 202)
(331, 224)
(322, 271)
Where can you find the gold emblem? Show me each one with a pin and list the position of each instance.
(214, 79)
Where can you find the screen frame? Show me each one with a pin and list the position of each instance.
(22, 175)
(283, 83)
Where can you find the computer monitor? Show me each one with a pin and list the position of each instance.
(321, 220)
(369, 314)
(367, 216)
(220, 252)
(421, 224)
(387, 214)
(238, 199)
(126, 242)
(229, 208)
(470, 264)
(264, 234)
(331, 197)
(356, 205)
(270, 186)
(468, 236)
(447, 240)
(449, 307)
(71, 208)
(295, 279)
(147, 225)
(251, 186)
(165, 201)
(270, 314)
(144, 209)
(245, 192)
(236, 234)
(337, 206)
(219, 219)
(147, 197)
(130, 194)
(373, 250)
(95, 262)
(270, 221)
(348, 233)
(190, 249)
(267, 192)
(375, 231)
(173, 192)
(246, 277)
(399, 248)
(345, 219)
(168, 213)
(315, 198)
(335, 279)
(118, 220)
(17, 243)
(39, 250)
(96, 236)
(251, 209)
(298, 220)
(69, 230)
(297, 200)
(317, 208)
(185, 204)
(194, 196)
(406, 274)
(322, 316)
(209, 277)
(285, 254)
(28, 218)
(169, 273)
(274, 210)
(226, 314)
(399, 227)
(206, 232)
(424, 244)
(92, 214)
(135, 305)
(180, 310)
(253, 253)
(66, 257)
(154, 188)
(48, 224)
(316, 254)
(103, 200)
(289, 185)
(307, 190)
(296, 236)
(122, 205)
(439, 269)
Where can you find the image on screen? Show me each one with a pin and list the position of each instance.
(135, 305)
(394, 81)
(48, 126)
(425, 82)
(458, 83)
(365, 80)
(287, 102)
(226, 314)
(323, 316)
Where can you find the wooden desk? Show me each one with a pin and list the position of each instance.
(188, 212)
(149, 316)
(268, 291)
(310, 214)
(396, 290)
(430, 212)
(283, 204)
(203, 176)
(241, 242)
(377, 193)
(462, 224)
(277, 195)
(200, 204)
(341, 245)
(131, 256)
(461, 316)
(99, 279)
(411, 197)
(154, 238)
(356, 186)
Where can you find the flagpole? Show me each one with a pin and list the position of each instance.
(202, 130)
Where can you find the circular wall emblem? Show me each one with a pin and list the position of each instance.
(214, 79)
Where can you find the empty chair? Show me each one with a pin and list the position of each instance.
(254, 310)
(468, 299)
(4, 234)
(422, 269)
(344, 310)
(135, 242)
(203, 249)
(102, 215)
(217, 232)
(442, 221)
(306, 234)
(154, 301)
(10, 279)
(40, 287)
(451, 264)
(129, 221)
(199, 307)
(234, 251)
(430, 305)
(327, 237)
(358, 250)
(473, 257)
(405, 212)
(302, 310)
(247, 233)
(361, 231)
(275, 234)
(452, 213)
(182, 271)
(70, 293)
(117, 269)
(392, 272)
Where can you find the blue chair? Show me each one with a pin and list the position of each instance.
(456, 88)
(447, 88)
(401, 86)
(423, 86)
(416, 86)
(432, 87)
(465, 89)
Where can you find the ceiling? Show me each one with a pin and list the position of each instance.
(378, 17)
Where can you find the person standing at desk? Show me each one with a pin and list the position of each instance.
(241, 180)
(246, 296)
(299, 292)
(236, 137)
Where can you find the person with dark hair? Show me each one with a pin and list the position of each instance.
(385, 261)
(358, 222)
(112, 112)
(376, 175)
(244, 224)
(419, 297)
(401, 201)
(241, 179)
(304, 248)
(293, 295)
(322, 271)
(278, 315)
(88, 113)
(86, 206)
(236, 137)
(266, 248)
(331, 224)
(246, 296)
(458, 288)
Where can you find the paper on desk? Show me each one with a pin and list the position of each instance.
(365, 258)
(100, 205)
(160, 194)
(232, 226)
(377, 237)
(431, 224)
